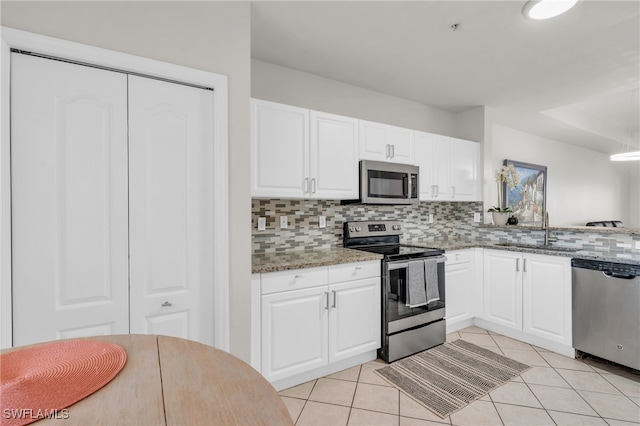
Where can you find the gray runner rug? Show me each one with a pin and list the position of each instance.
(446, 378)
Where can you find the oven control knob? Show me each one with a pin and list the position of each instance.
(358, 229)
(396, 227)
(352, 228)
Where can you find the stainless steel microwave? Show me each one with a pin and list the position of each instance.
(388, 183)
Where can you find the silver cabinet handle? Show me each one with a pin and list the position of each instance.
(393, 151)
(524, 265)
(334, 304)
(437, 190)
(388, 150)
(326, 300)
(518, 265)
(167, 304)
(433, 191)
(313, 185)
(305, 185)
(453, 192)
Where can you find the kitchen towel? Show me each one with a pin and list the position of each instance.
(416, 290)
(431, 278)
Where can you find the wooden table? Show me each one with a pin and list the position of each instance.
(173, 381)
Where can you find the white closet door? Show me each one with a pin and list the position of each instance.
(171, 209)
(69, 200)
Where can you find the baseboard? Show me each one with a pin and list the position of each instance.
(525, 337)
(324, 371)
(453, 326)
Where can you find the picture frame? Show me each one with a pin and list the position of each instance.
(529, 199)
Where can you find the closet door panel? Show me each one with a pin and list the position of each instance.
(69, 200)
(171, 209)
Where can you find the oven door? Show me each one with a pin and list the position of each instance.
(398, 316)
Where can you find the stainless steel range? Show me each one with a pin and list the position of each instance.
(413, 290)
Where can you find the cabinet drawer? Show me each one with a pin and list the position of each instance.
(354, 271)
(295, 279)
(459, 256)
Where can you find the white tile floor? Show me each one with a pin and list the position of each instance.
(557, 390)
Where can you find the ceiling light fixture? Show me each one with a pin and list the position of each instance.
(632, 131)
(544, 9)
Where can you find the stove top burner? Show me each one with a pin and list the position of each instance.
(399, 251)
(383, 237)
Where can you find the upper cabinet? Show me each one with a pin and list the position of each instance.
(297, 153)
(382, 142)
(449, 168)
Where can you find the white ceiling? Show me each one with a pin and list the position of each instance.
(571, 78)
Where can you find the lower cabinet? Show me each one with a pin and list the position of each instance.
(529, 293)
(312, 318)
(460, 284)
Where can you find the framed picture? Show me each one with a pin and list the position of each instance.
(528, 199)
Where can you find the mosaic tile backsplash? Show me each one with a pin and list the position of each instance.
(453, 222)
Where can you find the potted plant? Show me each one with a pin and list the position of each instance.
(505, 175)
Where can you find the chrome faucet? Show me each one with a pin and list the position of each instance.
(545, 226)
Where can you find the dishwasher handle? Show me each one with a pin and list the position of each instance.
(610, 274)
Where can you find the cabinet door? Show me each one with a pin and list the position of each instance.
(354, 318)
(171, 209)
(279, 150)
(503, 288)
(69, 201)
(294, 332)
(334, 157)
(465, 170)
(441, 168)
(459, 282)
(547, 297)
(401, 142)
(424, 158)
(373, 141)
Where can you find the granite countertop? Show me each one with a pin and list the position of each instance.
(299, 259)
(583, 229)
(627, 258)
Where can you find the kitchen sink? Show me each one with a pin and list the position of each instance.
(538, 247)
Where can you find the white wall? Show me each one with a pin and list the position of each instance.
(582, 185)
(288, 86)
(211, 36)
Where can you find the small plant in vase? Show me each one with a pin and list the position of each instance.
(505, 175)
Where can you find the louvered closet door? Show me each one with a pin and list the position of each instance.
(171, 209)
(69, 200)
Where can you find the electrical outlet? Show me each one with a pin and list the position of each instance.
(284, 222)
(322, 222)
(430, 217)
(262, 223)
(476, 217)
(637, 245)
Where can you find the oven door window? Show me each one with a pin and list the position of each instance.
(396, 295)
(383, 184)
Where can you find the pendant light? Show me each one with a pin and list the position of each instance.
(632, 131)
(544, 9)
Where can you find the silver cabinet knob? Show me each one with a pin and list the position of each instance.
(167, 304)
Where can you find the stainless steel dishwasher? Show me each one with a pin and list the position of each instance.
(606, 310)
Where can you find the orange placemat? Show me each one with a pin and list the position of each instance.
(42, 381)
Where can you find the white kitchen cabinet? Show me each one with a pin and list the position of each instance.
(294, 332)
(313, 318)
(333, 171)
(529, 292)
(382, 142)
(298, 153)
(449, 168)
(279, 150)
(503, 288)
(546, 295)
(460, 288)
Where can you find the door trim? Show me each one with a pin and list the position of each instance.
(36, 43)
